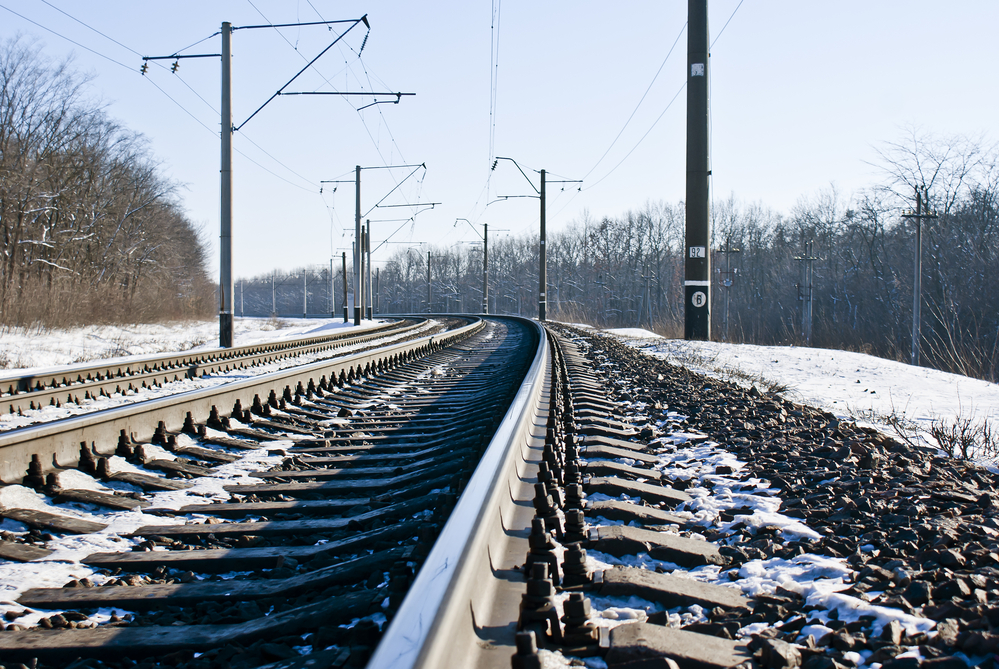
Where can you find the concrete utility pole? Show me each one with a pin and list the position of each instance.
(377, 293)
(805, 292)
(697, 263)
(273, 294)
(357, 246)
(543, 264)
(922, 211)
(428, 282)
(485, 268)
(346, 313)
(225, 187)
(364, 287)
(367, 268)
(305, 293)
(728, 279)
(332, 304)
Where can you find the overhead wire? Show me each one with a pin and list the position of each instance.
(368, 75)
(670, 104)
(644, 95)
(162, 90)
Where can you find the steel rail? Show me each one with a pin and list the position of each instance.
(57, 443)
(21, 392)
(461, 610)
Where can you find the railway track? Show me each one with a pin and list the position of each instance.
(504, 496)
(69, 385)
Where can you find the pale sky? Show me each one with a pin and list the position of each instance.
(802, 94)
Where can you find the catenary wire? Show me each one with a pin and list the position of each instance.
(644, 95)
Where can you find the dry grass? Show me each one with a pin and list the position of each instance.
(966, 438)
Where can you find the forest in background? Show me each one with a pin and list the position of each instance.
(628, 271)
(90, 232)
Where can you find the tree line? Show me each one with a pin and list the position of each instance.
(627, 271)
(90, 232)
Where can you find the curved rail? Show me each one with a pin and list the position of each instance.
(57, 444)
(465, 598)
(31, 391)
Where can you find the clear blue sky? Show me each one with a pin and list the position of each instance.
(802, 94)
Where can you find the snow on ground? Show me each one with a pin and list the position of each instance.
(27, 350)
(291, 328)
(850, 385)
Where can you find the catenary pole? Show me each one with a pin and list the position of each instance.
(364, 288)
(697, 261)
(367, 269)
(428, 282)
(485, 268)
(346, 314)
(225, 188)
(357, 246)
(543, 260)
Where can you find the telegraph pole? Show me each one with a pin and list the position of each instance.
(697, 262)
(225, 241)
(922, 211)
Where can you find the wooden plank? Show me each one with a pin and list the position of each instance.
(271, 528)
(183, 594)
(221, 560)
(99, 498)
(44, 520)
(64, 645)
(15, 552)
(147, 482)
(651, 493)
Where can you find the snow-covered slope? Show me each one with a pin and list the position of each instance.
(850, 385)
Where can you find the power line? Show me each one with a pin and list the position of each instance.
(654, 124)
(164, 92)
(726, 23)
(86, 48)
(91, 27)
(644, 95)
